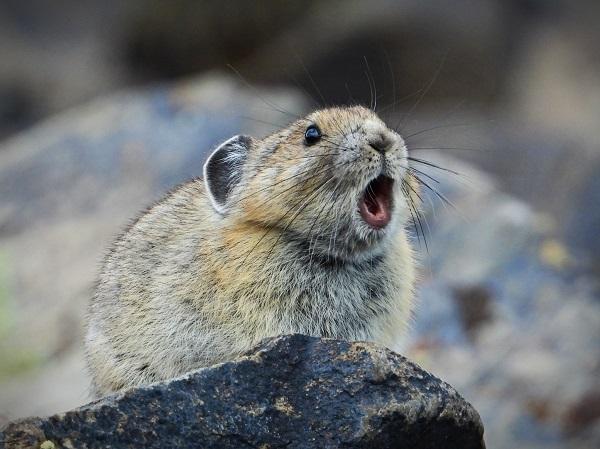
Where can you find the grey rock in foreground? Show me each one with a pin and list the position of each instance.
(292, 391)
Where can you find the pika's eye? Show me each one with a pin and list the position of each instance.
(312, 135)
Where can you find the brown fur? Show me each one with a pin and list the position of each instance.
(187, 287)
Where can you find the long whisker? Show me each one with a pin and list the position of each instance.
(316, 219)
(425, 91)
(398, 101)
(413, 213)
(431, 164)
(305, 199)
(422, 173)
(261, 97)
(312, 81)
(389, 64)
(298, 212)
(421, 200)
(290, 209)
(440, 195)
(449, 149)
(314, 175)
(293, 176)
(305, 90)
(451, 125)
(371, 80)
(264, 122)
(337, 218)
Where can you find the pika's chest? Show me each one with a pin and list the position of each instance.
(341, 303)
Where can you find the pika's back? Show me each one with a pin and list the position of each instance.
(302, 231)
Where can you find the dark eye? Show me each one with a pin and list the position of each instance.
(312, 135)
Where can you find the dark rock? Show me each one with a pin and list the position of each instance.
(292, 391)
(583, 413)
(474, 305)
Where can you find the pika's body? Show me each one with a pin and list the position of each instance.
(300, 232)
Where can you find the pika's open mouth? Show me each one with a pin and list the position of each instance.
(375, 204)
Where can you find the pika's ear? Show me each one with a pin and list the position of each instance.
(223, 170)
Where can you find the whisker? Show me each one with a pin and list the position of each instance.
(372, 79)
(431, 164)
(414, 214)
(452, 125)
(351, 99)
(440, 195)
(425, 91)
(305, 90)
(421, 200)
(312, 81)
(261, 97)
(427, 175)
(290, 209)
(449, 149)
(275, 125)
(298, 212)
(389, 64)
(319, 173)
(277, 183)
(400, 100)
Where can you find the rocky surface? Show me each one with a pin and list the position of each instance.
(292, 391)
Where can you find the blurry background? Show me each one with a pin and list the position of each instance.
(104, 105)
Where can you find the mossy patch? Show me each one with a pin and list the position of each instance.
(16, 358)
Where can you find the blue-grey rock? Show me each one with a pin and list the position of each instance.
(157, 136)
(529, 364)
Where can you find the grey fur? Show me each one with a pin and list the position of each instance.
(188, 286)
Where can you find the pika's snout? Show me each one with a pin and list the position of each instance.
(381, 142)
(378, 138)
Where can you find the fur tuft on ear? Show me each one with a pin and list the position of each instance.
(223, 170)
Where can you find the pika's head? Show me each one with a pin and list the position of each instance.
(337, 182)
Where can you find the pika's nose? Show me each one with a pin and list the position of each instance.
(380, 142)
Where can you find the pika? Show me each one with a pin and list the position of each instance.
(304, 231)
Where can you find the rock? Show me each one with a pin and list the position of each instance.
(291, 391)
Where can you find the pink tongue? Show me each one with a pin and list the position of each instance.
(374, 206)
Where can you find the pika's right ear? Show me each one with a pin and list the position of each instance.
(223, 170)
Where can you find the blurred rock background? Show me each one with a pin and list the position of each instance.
(104, 105)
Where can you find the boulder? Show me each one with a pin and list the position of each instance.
(291, 391)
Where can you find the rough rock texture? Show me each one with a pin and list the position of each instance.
(292, 391)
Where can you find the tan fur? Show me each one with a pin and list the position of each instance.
(187, 287)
